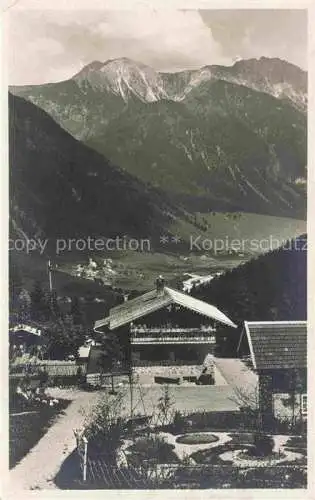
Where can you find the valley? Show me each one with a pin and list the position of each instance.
(157, 270)
(219, 138)
(131, 270)
(208, 166)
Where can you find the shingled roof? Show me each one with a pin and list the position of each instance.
(277, 344)
(154, 300)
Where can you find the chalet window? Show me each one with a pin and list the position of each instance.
(304, 404)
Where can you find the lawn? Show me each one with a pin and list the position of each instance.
(28, 427)
(186, 399)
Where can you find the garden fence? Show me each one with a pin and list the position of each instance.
(52, 369)
(97, 472)
(59, 374)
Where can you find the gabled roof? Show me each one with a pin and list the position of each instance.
(100, 323)
(199, 307)
(277, 344)
(153, 301)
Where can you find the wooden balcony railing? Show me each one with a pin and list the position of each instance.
(167, 329)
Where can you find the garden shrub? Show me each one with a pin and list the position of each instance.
(297, 442)
(241, 438)
(104, 428)
(206, 379)
(219, 420)
(285, 425)
(263, 445)
(212, 456)
(179, 423)
(62, 380)
(152, 448)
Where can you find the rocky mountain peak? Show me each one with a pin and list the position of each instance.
(128, 78)
(93, 66)
(124, 77)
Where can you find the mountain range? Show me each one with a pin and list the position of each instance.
(217, 138)
(60, 188)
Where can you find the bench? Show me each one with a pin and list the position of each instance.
(191, 378)
(167, 380)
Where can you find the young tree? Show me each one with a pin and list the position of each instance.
(248, 401)
(165, 406)
(15, 283)
(104, 425)
(76, 312)
(53, 307)
(40, 307)
(295, 390)
(23, 306)
(63, 338)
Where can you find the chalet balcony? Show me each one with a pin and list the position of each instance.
(167, 335)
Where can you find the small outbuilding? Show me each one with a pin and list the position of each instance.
(24, 337)
(278, 352)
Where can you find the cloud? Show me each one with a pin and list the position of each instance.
(165, 36)
(256, 33)
(168, 40)
(53, 45)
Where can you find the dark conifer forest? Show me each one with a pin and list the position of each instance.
(271, 287)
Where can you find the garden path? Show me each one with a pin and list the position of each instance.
(237, 374)
(39, 467)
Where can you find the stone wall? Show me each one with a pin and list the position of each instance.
(168, 371)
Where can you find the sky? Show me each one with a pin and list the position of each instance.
(52, 45)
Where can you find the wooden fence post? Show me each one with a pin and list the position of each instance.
(83, 454)
(85, 441)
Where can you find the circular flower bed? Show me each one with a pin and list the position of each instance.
(197, 438)
(250, 455)
(243, 458)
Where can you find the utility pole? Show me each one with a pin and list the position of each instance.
(51, 297)
(49, 267)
